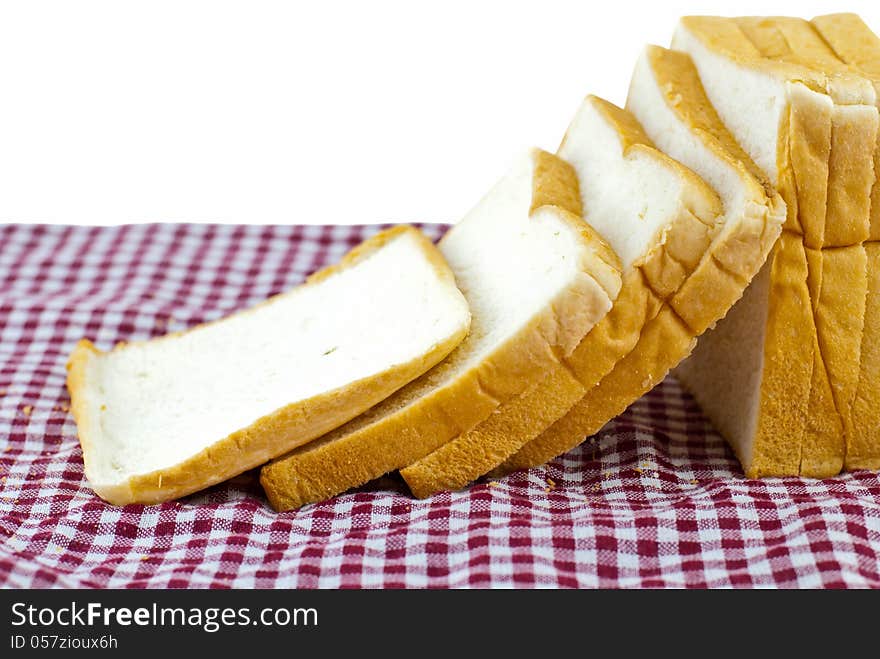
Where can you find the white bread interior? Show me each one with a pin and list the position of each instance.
(162, 418)
(660, 218)
(536, 277)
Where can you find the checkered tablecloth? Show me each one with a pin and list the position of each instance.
(656, 499)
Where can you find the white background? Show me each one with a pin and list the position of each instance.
(311, 112)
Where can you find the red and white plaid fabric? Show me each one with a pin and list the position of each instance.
(656, 499)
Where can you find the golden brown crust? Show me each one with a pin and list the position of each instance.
(473, 453)
(809, 141)
(664, 340)
(852, 41)
(856, 45)
(788, 364)
(393, 438)
(676, 252)
(863, 452)
(270, 435)
(476, 452)
(841, 141)
(554, 183)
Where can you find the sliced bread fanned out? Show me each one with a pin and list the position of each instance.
(665, 95)
(660, 218)
(536, 277)
(856, 45)
(163, 418)
(812, 130)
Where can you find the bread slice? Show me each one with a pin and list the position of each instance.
(798, 113)
(536, 277)
(856, 45)
(163, 418)
(660, 218)
(665, 95)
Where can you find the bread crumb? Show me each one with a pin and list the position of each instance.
(144, 557)
(103, 408)
(551, 482)
(638, 470)
(694, 481)
(493, 483)
(2, 392)
(27, 409)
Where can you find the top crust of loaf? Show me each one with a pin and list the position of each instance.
(726, 37)
(852, 40)
(452, 399)
(273, 433)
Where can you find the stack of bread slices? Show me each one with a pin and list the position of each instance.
(725, 224)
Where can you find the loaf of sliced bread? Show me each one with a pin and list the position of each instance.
(162, 418)
(811, 127)
(857, 46)
(660, 218)
(666, 97)
(537, 278)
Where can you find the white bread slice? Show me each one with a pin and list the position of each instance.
(665, 95)
(660, 218)
(163, 418)
(855, 44)
(784, 113)
(838, 258)
(536, 277)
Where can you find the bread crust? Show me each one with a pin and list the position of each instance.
(270, 435)
(370, 447)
